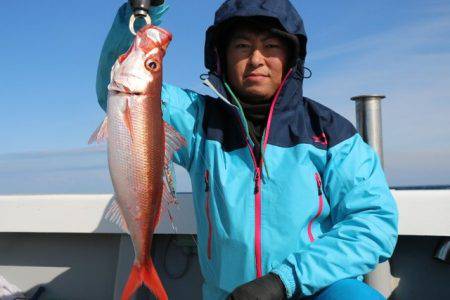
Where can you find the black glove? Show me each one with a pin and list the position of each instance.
(268, 287)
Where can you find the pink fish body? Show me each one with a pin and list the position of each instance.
(140, 147)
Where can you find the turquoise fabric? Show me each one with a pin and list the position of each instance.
(347, 289)
(355, 230)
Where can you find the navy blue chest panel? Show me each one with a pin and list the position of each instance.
(294, 122)
(221, 123)
(308, 122)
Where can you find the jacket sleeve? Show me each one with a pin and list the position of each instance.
(364, 218)
(181, 109)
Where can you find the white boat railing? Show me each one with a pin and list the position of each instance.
(421, 212)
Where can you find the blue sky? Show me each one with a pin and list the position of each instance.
(49, 58)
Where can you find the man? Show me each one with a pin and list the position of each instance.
(289, 201)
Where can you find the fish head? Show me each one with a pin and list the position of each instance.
(140, 67)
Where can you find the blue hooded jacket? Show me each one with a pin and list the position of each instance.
(317, 209)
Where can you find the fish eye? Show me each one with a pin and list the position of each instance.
(151, 65)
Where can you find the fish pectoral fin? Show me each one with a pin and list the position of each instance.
(114, 214)
(127, 119)
(174, 141)
(101, 133)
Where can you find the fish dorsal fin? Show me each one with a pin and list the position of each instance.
(169, 178)
(114, 214)
(174, 141)
(101, 133)
(169, 200)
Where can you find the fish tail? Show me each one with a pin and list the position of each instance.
(152, 281)
(133, 283)
(146, 275)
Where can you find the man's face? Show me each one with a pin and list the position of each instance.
(256, 63)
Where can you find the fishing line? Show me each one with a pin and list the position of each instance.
(186, 266)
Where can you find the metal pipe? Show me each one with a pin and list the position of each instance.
(368, 123)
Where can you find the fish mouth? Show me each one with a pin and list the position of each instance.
(124, 84)
(127, 92)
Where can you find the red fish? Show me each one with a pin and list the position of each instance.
(140, 147)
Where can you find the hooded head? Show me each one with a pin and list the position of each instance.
(276, 16)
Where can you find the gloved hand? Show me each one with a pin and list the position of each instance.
(117, 42)
(267, 287)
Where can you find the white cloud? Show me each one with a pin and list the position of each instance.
(406, 38)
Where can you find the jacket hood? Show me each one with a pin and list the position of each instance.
(281, 10)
